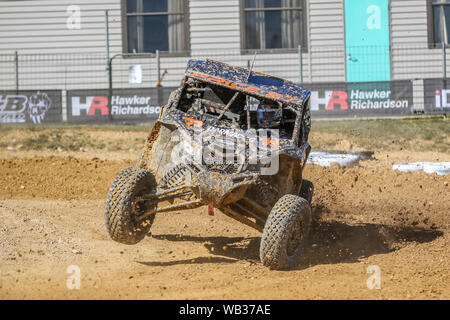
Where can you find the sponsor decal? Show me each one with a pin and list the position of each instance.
(193, 122)
(361, 99)
(442, 99)
(328, 100)
(376, 99)
(18, 108)
(216, 131)
(120, 106)
(437, 95)
(102, 105)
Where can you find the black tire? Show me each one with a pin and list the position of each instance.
(307, 191)
(121, 209)
(285, 232)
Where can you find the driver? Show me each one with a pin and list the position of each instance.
(269, 114)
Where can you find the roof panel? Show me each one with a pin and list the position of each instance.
(237, 78)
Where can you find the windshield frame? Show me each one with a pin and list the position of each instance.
(296, 131)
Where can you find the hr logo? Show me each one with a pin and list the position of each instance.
(91, 106)
(374, 281)
(73, 282)
(330, 100)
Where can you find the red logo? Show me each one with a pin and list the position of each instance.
(99, 103)
(338, 98)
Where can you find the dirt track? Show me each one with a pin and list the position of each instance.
(51, 216)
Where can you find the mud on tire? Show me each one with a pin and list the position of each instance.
(121, 208)
(285, 233)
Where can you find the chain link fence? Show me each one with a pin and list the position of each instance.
(48, 72)
(320, 64)
(413, 62)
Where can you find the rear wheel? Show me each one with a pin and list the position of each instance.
(123, 207)
(285, 232)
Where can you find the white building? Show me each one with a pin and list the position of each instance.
(61, 44)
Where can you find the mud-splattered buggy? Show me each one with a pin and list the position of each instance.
(264, 120)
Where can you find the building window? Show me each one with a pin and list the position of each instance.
(440, 21)
(273, 24)
(151, 25)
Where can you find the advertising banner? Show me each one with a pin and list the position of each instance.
(30, 106)
(361, 100)
(328, 100)
(116, 105)
(437, 95)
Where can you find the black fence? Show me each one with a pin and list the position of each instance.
(133, 105)
(134, 86)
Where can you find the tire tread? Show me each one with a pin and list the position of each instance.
(273, 249)
(118, 219)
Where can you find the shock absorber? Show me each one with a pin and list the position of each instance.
(264, 191)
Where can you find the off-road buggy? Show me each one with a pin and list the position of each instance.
(216, 109)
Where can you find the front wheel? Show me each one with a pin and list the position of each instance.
(285, 232)
(123, 207)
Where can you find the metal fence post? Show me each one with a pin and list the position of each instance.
(110, 81)
(16, 61)
(108, 60)
(110, 84)
(158, 69)
(107, 35)
(444, 61)
(300, 64)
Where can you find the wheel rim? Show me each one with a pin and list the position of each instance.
(139, 207)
